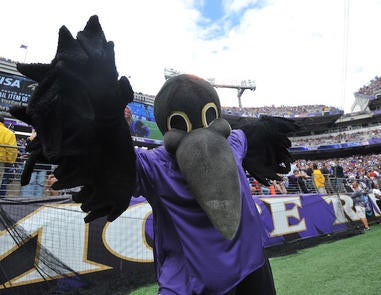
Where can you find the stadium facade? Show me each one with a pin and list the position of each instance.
(17, 89)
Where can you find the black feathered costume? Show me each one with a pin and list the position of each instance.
(207, 230)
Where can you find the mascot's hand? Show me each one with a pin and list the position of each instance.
(77, 112)
(76, 92)
(268, 148)
(89, 61)
(100, 75)
(268, 145)
(114, 178)
(96, 205)
(114, 181)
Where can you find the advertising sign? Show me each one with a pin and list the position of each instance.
(14, 90)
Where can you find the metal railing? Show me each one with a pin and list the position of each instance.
(42, 179)
(10, 176)
(289, 185)
(39, 186)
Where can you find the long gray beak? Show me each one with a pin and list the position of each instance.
(207, 163)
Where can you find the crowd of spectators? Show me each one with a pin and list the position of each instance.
(341, 137)
(7, 59)
(339, 174)
(363, 168)
(282, 111)
(299, 179)
(370, 88)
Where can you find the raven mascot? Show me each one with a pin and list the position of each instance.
(208, 236)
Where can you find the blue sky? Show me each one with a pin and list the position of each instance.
(220, 17)
(212, 10)
(297, 51)
(215, 19)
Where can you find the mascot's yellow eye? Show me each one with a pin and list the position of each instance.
(209, 114)
(179, 120)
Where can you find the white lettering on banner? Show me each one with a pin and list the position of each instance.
(259, 208)
(337, 208)
(62, 232)
(348, 207)
(376, 209)
(14, 96)
(281, 215)
(351, 212)
(9, 82)
(132, 244)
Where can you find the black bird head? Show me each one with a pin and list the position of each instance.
(188, 113)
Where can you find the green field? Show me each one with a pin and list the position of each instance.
(155, 132)
(350, 266)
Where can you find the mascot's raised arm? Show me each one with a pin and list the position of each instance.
(208, 236)
(77, 112)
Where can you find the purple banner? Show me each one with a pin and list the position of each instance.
(299, 216)
(102, 251)
(374, 140)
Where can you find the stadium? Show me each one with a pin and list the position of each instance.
(39, 230)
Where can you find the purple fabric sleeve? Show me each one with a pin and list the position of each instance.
(191, 256)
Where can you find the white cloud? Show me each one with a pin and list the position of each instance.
(294, 50)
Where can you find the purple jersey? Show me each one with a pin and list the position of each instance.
(191, 256)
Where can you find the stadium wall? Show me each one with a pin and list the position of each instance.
(103, 256)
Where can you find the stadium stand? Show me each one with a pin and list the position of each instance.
(326, 131)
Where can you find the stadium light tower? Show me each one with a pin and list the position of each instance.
(241, 87)
(169, 73)
(244, 85)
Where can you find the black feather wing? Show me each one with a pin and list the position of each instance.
(268, 143)
(77, 111)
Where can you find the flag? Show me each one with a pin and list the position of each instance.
(23, 46)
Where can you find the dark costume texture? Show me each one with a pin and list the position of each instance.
(207, 230)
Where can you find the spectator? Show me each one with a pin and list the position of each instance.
(255, 187)
(296, 183)
(324, 169)
(272, 189)
(302, 178)
(359, 203)
(8, 155)
(140, 129)
(128, 116)
(293, 186)
(137, 128)
(36, 185)
(318, 179)
(338, 175)
(280, 187)
(309, 169)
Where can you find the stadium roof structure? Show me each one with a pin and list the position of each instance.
(8, 66)
(361, 103)
(365, 102)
